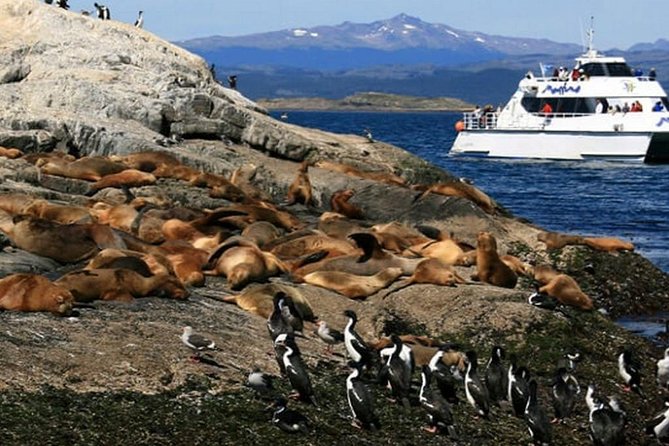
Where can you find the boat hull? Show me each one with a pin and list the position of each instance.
(624, 146)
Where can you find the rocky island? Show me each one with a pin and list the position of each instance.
(115, 371)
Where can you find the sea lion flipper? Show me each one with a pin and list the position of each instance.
(429, 231)
(369, 245)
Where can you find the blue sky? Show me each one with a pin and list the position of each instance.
(562, 20)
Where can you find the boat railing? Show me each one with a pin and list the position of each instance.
(479, 121)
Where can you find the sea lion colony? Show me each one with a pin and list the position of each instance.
(146, 246)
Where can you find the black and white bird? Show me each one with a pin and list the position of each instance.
(328, 335)
(276, 323)
(139, 23)
(195, 341)
(396, 373)
(519, 390)
(446, 382)
(357, 349)
(475, 390)
(262, 383)
(289, 420)
(564, 391)
(662, 373)
(406, 355)
(62, 4)
(290, 314)
(546, 302)
(496, 379)
(536, 419)
(280, 343)
(438, 410)
(360, 400)
(658, 426)
(296, 370)
(103, 11)
(630, 371)
(607, 422)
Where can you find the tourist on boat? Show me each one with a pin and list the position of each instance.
(652, 74)
(638, 72)
(636, 107)
(575, 74)
(658, 107)
(599, 108)
(547, 109)
(626, 107)
(563, 74)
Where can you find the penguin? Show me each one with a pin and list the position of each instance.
(297, 373)
(518, 393)
(397, 373)
(438, 410)
(280, 348)
(357, 349)
(328, 335)
(658, 426)
(276, 323)
(662, 373)
(139, 23)
(445, 380)
(565, 388)
(607, 424)
(536, 419)
(289, 420)
(630, 371)
(360, 400)
(103, 11)
(261, 383)
(495, 376)
(475, 390)
(62, 4)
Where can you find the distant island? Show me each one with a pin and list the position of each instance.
(369, 101)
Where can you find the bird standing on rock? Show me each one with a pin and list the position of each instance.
(261, 382)
(536, 419)
(495, 376)
(475, 390)
(297, 374)
(196, 341)
(289, 420)
(139, 23)
(360, 400)
(663, 370)
(445, 379)
(397, 373)
(565, 388)
(630, 371)
(357, 349)
(328, 335)
(437, 408)
(607, 422)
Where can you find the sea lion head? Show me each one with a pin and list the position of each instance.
(486, 241)
(61, 301)
(171, 288)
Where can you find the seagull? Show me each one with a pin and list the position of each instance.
(329, 335)
(261, 382)
(196, 341)
(140, 20)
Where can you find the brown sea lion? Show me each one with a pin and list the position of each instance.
(119, 284)
(608, 244)
(490, 268)
(42, 157)
(146, 161)
(242, 262)
(261, 233)
(339, 203)
(258, 212)
(397, 237)
(467, 259)
(187, 261)
(90, 168)
(300, 190)
(157, 264)
(15, 203)
(127, 218)
(337, 225)
(565, 289)
(32, 292)
(447, 250)
(125, 178)
(554, 240)
(311, 243)
(63, 243)
(517, 266)
(64, 214)
(432, 271)
(373, 260)
(458, 188)
(175, 229)
(257, 299)
(383, 177)
(351, 285)
(10, 153)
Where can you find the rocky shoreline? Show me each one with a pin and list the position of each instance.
(118, 373)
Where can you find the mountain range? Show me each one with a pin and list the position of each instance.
(402, 54)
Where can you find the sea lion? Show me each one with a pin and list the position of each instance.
(10, 153)
(261, 233)
(258, 212)
(555, 240)
(373, 260)
(125, 178)
(351, 285)
(311, 243)
(64, 243)
(467, 259)
(156, 263)
(146, 161)
(337, 225)
(119, 284)
(15, 203)
(32, 292)
(383, 177)
(175, 229)
(397, 237)
(258, 299)
(432, 271)
(128, 219)
(187, 261)
(90, 168)
(517, 266)
(64, 214)
(565, 289)
(447, 250)
(42, 157)
(300, 190)
(242, 262)
(458, 188)
(608, 244)
(339, 203)
(490, 268)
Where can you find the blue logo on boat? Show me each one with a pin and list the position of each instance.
(562, 89)
(661, 122)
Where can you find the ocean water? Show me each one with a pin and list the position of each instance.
(630, 201)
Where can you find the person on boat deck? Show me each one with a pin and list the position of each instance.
(658, 107)
(599, 108)
(563, 74)
(636, 107)
(652, 74)
(547, 109)
(626, 107)
(575, 74)
(638, 72)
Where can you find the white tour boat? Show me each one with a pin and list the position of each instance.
(588, 112)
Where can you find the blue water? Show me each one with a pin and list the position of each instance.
(630, 201)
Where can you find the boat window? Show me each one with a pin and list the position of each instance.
(593, 69)
(531, 104)
(665, 102)
(619, 69)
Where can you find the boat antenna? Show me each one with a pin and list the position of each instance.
(591, 35)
